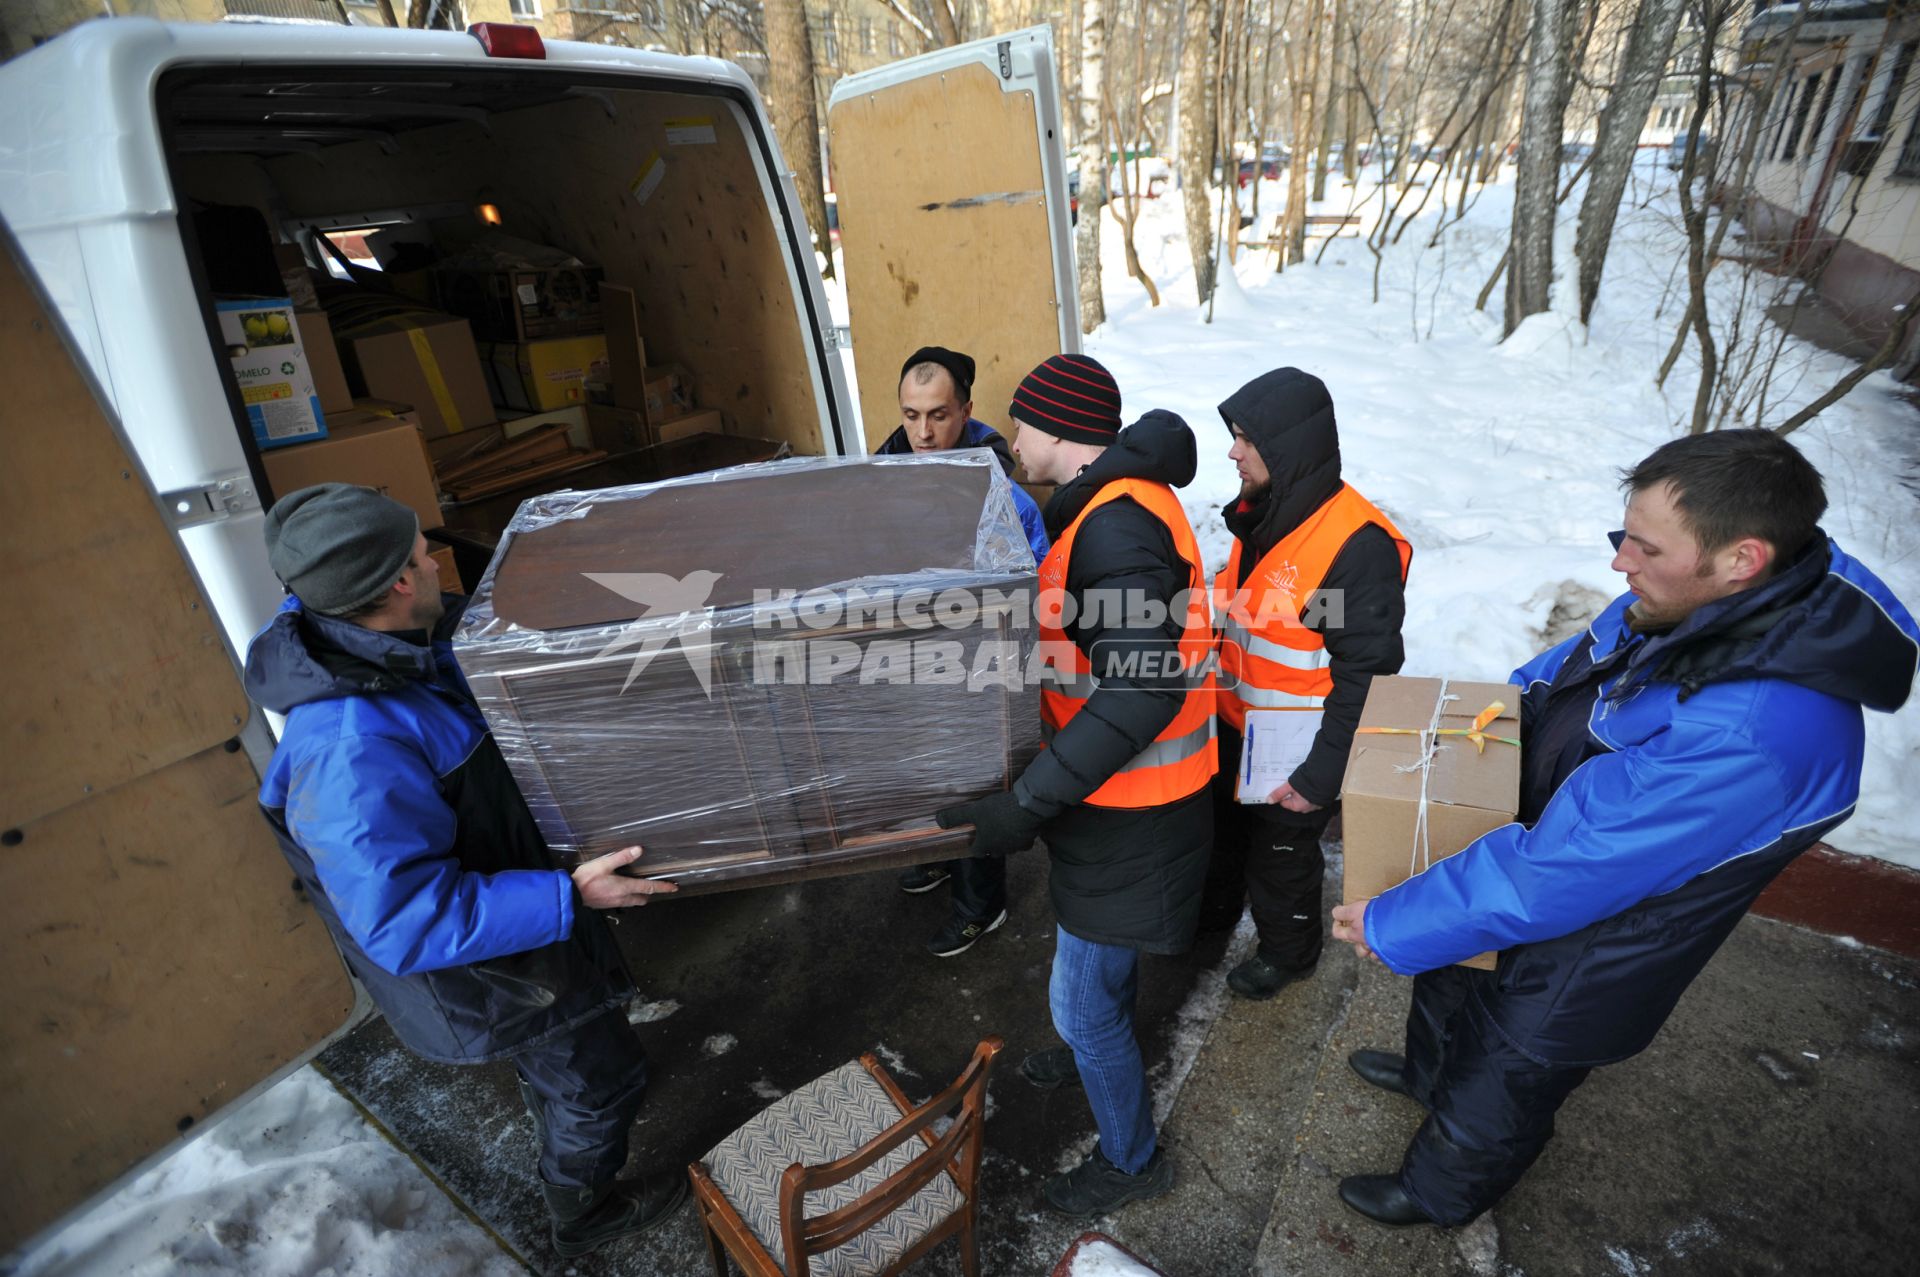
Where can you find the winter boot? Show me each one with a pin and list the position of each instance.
(1097, 1186)
(1260, 977)
(586, 1218)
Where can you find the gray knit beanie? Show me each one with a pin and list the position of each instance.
(338, 546)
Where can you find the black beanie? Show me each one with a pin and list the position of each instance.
(1070, 397)
(958, 366)
(339, 547)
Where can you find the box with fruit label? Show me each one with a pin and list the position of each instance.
(262, 339)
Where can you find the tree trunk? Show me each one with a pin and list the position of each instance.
(796, 118)
(1694, 216)
(1530, 277)
(1196, 108)
(1649, 46)
(1093, 162)
(1329, 83)
(1305, 121)
(1007, 15)
(944, 23)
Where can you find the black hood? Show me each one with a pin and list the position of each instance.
(1158, 447)
(1823, 622)
(303, 656)
(1288, 415)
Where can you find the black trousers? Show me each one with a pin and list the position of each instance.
(1490, 1108)
(979, 887)
(1271, 857)
(585, 1088)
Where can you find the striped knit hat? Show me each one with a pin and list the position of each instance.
(1070, 397)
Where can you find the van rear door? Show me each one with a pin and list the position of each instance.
(949, 171)
(160, 964)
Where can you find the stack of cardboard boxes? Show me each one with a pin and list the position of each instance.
(521, 377)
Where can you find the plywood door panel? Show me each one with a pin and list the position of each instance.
(159, 965)
(113, 664)
(943, 227)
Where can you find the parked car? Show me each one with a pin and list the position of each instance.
(1702, 148)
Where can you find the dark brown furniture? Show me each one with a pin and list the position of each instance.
(878, 1205)
(642, 694)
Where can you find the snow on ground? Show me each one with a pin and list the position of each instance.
(1101, 1258)
(294, 1182)
(1499, 461)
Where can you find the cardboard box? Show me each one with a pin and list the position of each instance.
(449, 570)
(706, 421)
(376, 452)
(667, 393)
(1469, 791)
(523, 304)
(422, 359)
(537, 376)
(323, 359)
(591, 426)
(276, 381)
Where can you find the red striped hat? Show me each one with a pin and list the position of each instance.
(1070, 397)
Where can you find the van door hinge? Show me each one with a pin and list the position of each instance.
(837, 337)
(1006, 59)
(219, 499)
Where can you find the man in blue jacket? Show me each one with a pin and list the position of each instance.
(396, 810)
(936, 406)
(1701, 734)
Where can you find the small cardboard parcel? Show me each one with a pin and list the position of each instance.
(1434, 765)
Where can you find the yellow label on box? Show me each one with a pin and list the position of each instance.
(267, 393)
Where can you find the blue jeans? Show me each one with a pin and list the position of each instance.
(1092, 996)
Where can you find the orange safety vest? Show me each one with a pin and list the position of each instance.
(1182, 758)
(1268, 658)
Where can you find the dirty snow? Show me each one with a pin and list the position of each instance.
(1498, 460)
(719, 1044)
(1101, 1258)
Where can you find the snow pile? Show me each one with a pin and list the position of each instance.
(295, 1182)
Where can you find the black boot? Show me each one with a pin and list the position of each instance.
(585, 1218)
(1381, 1199)
(1260, 977)
(1097, 1186)
(1383, 1069)
(1051, 1069)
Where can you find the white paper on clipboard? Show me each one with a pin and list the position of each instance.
(1275, 742)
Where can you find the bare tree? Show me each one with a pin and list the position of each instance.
(1649, 46)
(1007, 15)
(1303, 67)
(795, 112)
(1693, 213)
(1530, 276)
(1196, 111)
(1329, 97)
(1093, 161)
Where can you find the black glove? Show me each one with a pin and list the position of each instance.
(1001, 826)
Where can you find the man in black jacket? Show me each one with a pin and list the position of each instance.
(1120, 791)
(1317, 581)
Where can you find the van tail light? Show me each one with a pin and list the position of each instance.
(507, 40)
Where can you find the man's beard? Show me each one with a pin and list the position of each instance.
(1254, 493)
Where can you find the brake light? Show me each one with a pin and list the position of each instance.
(506, 40)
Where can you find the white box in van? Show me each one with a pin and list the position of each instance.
(271, 370)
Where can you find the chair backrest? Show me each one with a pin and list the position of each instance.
(956, 1151)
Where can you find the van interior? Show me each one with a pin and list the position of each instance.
(365, 180)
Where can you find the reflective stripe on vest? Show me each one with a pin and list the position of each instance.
(1182, 758)
(1269, 658)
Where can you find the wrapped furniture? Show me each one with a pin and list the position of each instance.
(764, 673)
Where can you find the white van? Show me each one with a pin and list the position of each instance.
(161, 967)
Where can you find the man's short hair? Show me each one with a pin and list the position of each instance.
(923, 373)
(1730, 484)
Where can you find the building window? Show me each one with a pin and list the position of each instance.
(866, 35)
(894, 47)
(1908, 165)
(830, 39)
(1818, 128)
(1809, 89)
(524, 8)
(1883, 108)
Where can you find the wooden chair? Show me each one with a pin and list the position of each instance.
(845, 1139)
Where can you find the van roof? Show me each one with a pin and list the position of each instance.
(82, 140)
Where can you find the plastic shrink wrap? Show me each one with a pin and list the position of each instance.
(764, 673)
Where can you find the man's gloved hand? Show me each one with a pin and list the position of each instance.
(1001, 826)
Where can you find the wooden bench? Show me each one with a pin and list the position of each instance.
(1336, 221)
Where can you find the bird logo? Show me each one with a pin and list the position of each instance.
(663, 598)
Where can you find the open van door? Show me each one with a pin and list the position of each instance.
(159, 963)
(950, 175)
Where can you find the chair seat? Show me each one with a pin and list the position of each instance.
(827, 1119)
